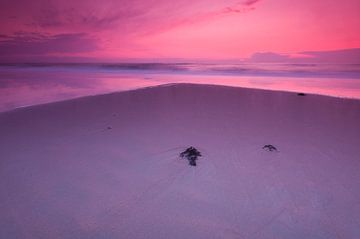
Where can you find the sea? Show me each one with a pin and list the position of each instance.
(23, 85)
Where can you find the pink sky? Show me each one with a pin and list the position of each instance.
(204, 29)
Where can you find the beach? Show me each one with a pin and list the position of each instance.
(108, 166)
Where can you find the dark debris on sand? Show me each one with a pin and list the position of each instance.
(191, 154)
(270, 148)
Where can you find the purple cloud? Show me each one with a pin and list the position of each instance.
(347, 56)
(83, 16)
(123, 15)
(269, 57)
(56, 27)
(39, 44)
(344, 55)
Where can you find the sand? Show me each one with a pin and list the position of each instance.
(107, 166)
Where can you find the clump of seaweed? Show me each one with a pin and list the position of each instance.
(270, 147)
(191, 154)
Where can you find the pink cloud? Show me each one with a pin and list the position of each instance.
(250, 2)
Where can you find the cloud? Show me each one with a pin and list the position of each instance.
(207, 15)
(122, 15)
(241, 7)
(3, 36)
(343, 56)
(83, 15)
(268, 57)
(34, 43)
(118, 26)
(250, 2)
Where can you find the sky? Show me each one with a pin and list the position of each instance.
(108, 30)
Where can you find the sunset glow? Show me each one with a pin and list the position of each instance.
(186, 29)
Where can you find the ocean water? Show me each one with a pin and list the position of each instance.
(23, 85)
